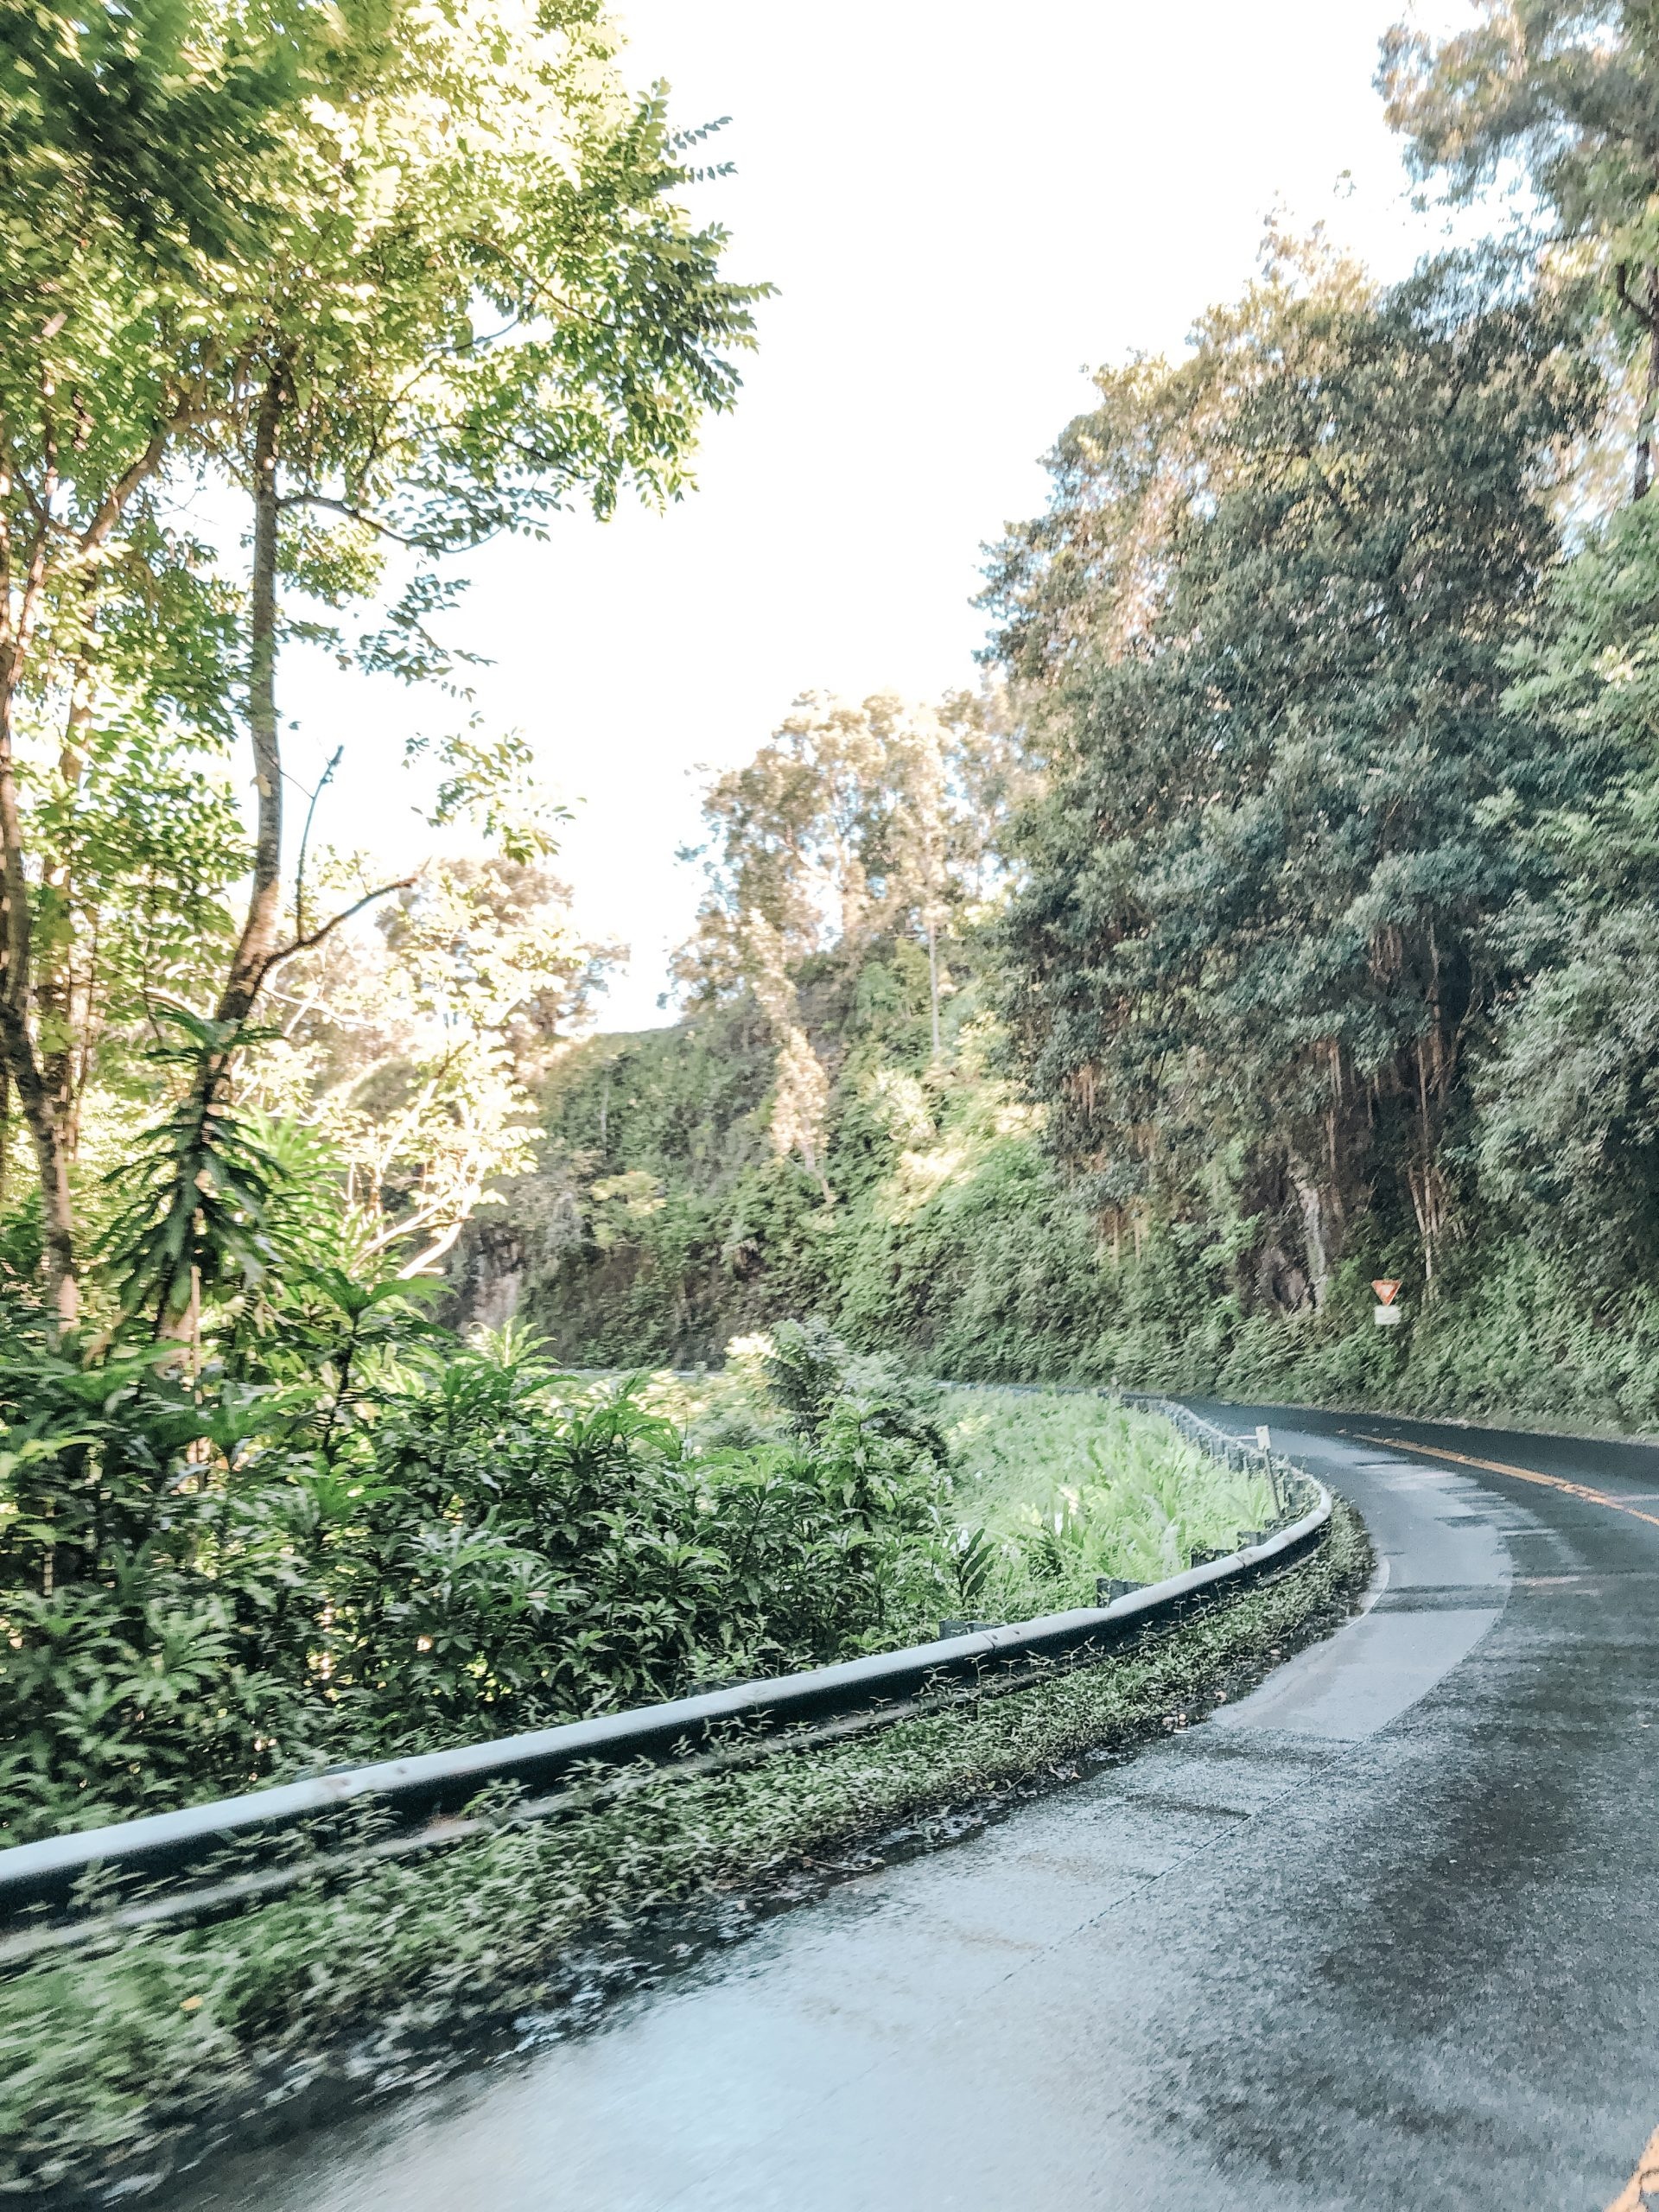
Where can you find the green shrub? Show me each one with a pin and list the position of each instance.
(1067, 1488)
(211, 1581)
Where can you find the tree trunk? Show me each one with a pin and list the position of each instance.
(1431, 1199)
(16, 1044)
(1644, 427)
(25, 578)
(259, 929)
(933, 981)
(56, 988)
(1430, 1191)
(51, 1152)
(1314, 1240)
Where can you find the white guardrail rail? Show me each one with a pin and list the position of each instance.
(205, 1861)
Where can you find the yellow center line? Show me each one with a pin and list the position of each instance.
(1502, 1467)
(1642, 2187)
(1640, 2192)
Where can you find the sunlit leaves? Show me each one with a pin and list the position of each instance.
(447, 254)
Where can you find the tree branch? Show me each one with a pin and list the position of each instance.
(358, 514)
(310, 942)
(1649, 314)
(338, 754)
(434, 1251)
(114, 503)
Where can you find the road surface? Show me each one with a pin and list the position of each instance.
(1383, 1934)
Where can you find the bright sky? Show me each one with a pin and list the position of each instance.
(964, 207)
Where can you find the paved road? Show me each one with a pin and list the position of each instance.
(1381, 1934)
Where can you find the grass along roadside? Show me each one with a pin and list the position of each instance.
(117, 2063)
(1068, 1486)
(1048, 1489)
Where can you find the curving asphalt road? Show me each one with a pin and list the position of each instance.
(1383, 1934)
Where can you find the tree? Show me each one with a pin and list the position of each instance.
(798, 1117)
(1569, 88)
(1088, 576)
(1257, 906)
(151, 117)
(414, 1048)
(492, 306)
(140, 848)
(127, 140)
(851, 823)
(1569, 1131)
(411, 278)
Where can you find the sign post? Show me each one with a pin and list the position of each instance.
(1385, 1313)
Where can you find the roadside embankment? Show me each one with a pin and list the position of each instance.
(131, 2055)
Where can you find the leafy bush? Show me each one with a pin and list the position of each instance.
(335, 1532)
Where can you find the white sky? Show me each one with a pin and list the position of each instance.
(964, 207)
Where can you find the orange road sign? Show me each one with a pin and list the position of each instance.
(1386, 1292)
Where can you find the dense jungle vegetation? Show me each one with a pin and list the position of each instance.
(1279, 916)
(298, 310)
(1278, 913)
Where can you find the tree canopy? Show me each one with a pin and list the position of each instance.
(1260, 887)
(397, 279)
(1569, 91)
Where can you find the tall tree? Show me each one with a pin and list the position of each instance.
(138, 149)
(447, 291)
(1569, 89)
(854, 820)
(1087, 577)
(493, 307)
(853, 823)
(1569, 1133)
(1258, 894)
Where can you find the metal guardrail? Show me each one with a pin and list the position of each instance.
(1292, 1487)
(1288, 1481)
(240, 1850)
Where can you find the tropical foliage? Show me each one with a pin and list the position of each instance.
(1313, 947)
(1278, 914)
(339, 1533)
(344, 1534)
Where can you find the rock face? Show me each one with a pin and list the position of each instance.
(650, 1229)
(506, 1246)
(486, 1276)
